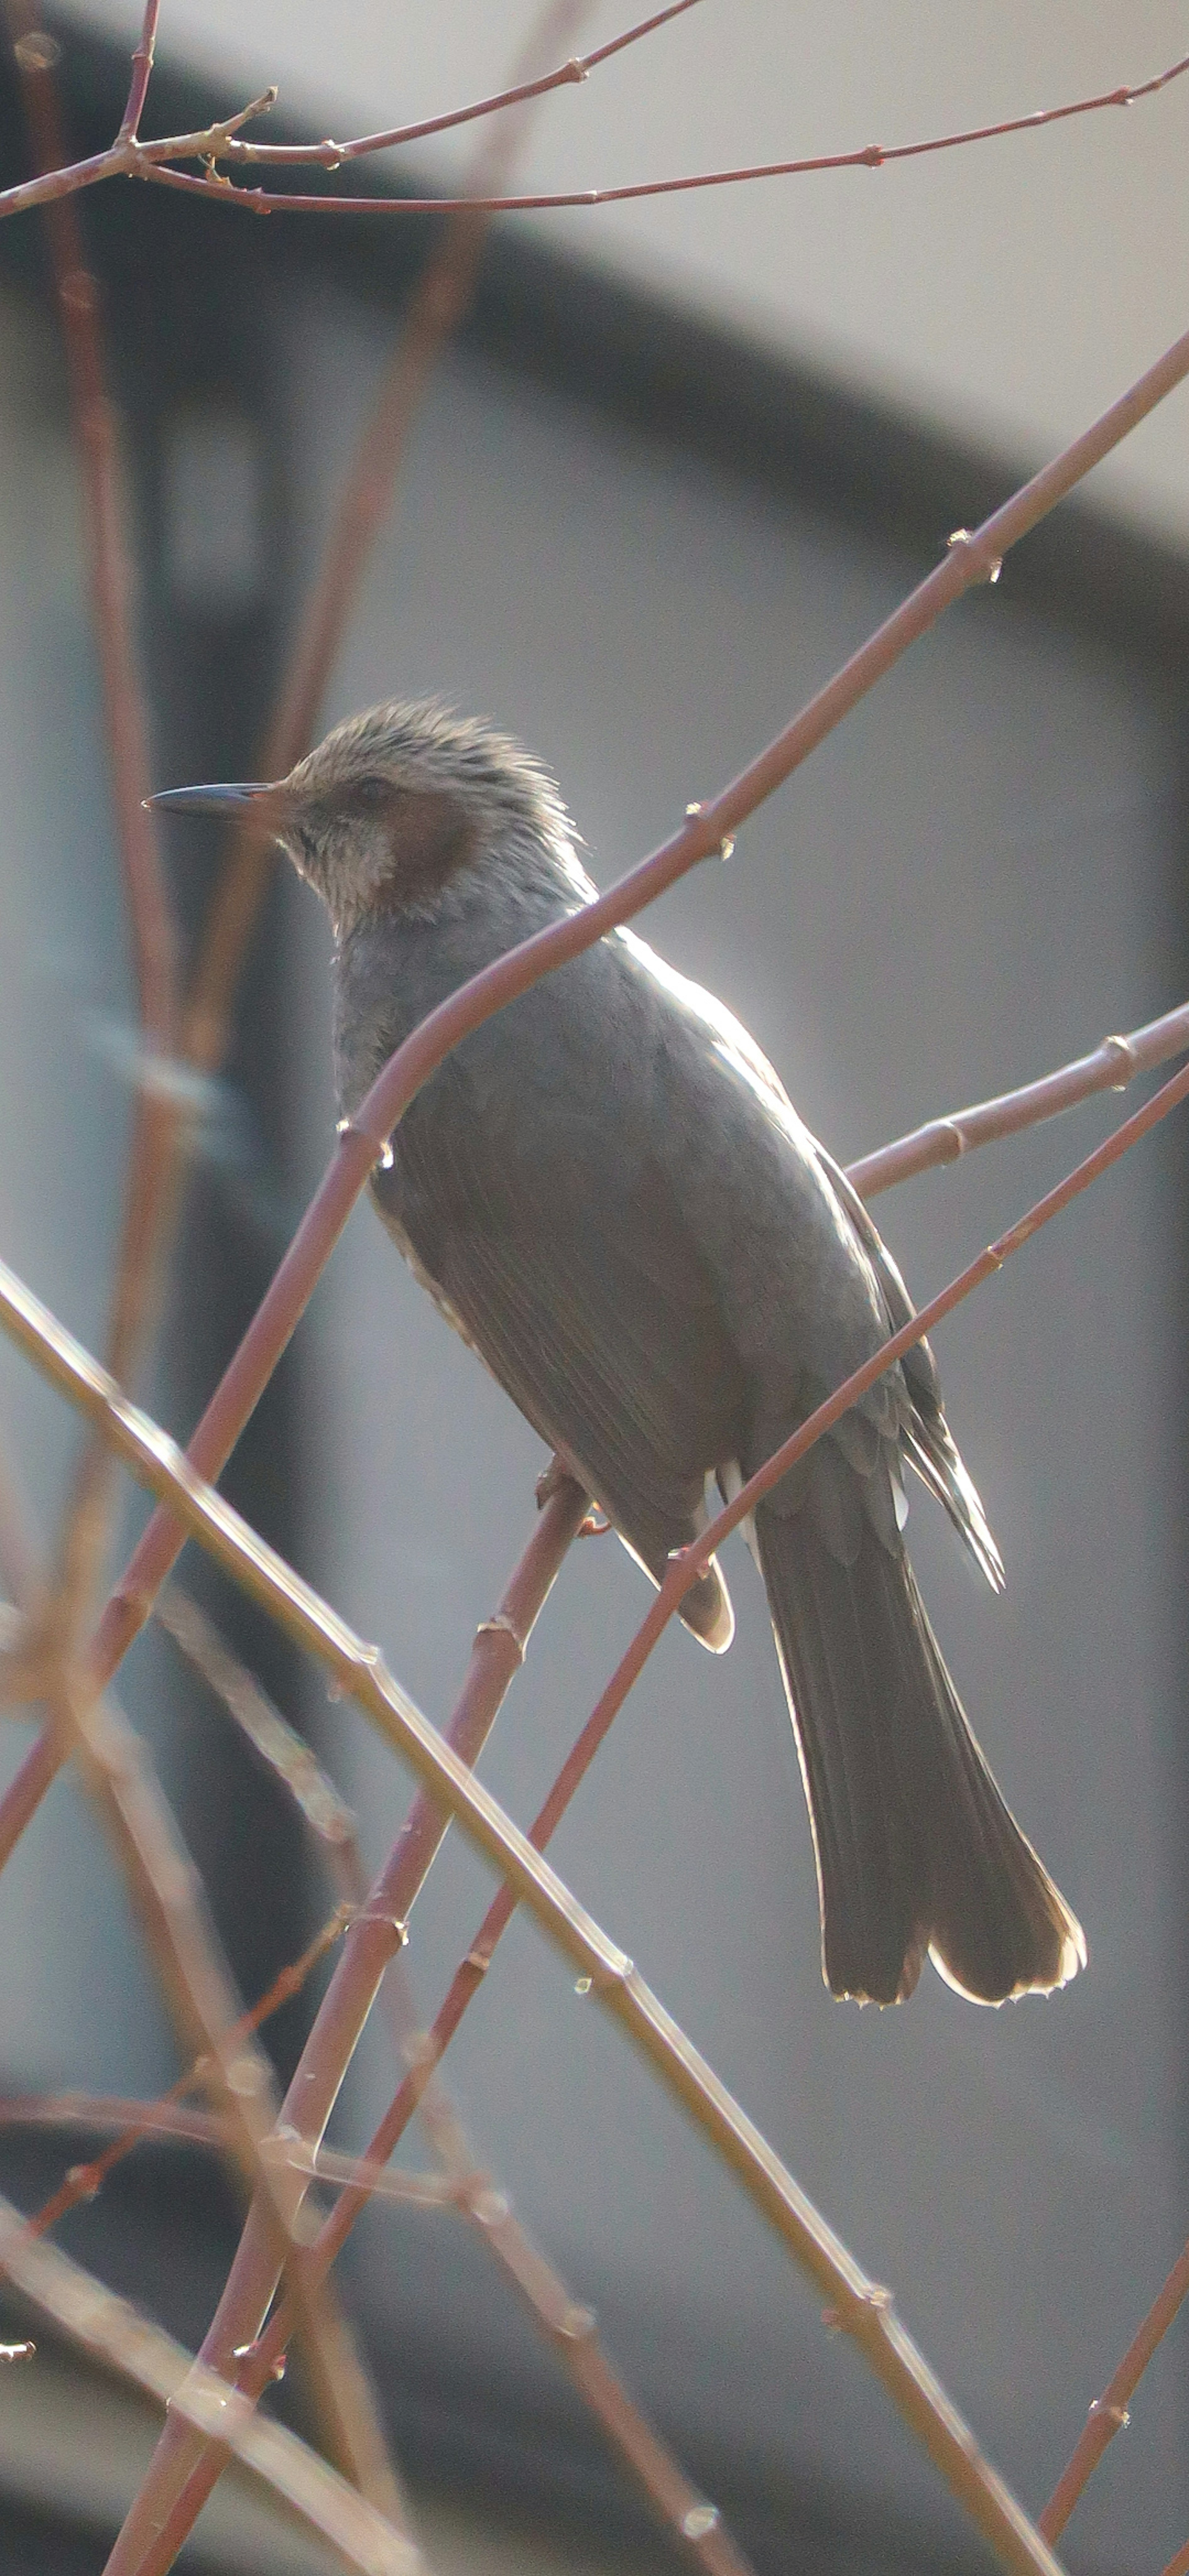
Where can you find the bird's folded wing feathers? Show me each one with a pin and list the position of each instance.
(589, 1305)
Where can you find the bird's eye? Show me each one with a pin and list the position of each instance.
(370, 792)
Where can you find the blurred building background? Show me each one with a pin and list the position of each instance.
(674, 470)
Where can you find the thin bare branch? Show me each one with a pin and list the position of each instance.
(1179, 2566)
(685, 1567)
(943, 1140)
(142, 69)
(278, 1744)
(131, 2120)
(114, 2334)
(18, 1554)
(521, 93)
(568, 2325)
(1109, 2413)
(153, 161)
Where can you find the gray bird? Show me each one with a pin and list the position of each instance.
(608, 1193)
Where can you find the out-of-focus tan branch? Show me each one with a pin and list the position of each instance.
(114, 2334)
(84, 2182)
(1109, 2413)
(131, 2120)
(137, 1266)
(167, 1894)
(110, 576)
(277, 1744)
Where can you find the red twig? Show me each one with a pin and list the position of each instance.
(148, 160)
(943, 1140)
(1179, 2566)
(130, 157)
(869, 156)
(521, 93)
(142, 67)
(1109, 2413)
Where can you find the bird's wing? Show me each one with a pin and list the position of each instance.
(926, 1438)
(568, 1267)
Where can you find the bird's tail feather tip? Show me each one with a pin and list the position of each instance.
(918, 1855)
(1045, 1978)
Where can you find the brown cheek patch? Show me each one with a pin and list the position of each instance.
(430, 839)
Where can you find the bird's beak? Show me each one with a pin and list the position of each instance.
(263, 798)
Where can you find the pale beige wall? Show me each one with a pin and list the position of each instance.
(1008, 292)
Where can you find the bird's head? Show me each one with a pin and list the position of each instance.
(394, 806)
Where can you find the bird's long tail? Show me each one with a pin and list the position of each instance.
(916, 1850)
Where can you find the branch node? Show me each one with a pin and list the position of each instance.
(576, 2323)
(990, 566)
(84, 2181)
(500, 1625)
(700, 2521)
(1125, 1049)
(394, 1923)
(248, 2352)
(382, 1149)
(1119, 2416)
(490, 2208)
